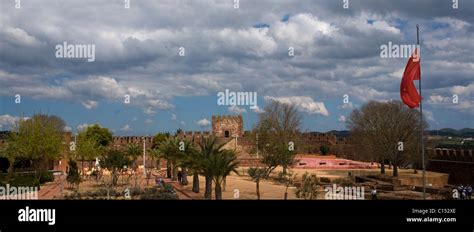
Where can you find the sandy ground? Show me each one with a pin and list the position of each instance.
(237, 186)
(242, 187)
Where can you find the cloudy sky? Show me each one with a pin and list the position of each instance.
(244, 49)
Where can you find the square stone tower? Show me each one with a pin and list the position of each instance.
(227, 126)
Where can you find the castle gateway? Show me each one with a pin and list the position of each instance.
(227, 126)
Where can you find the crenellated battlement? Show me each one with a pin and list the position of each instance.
(217, 118)
(193, 134)
(451, 154)
(227, 126)
(120, 141)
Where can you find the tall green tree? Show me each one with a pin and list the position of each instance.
(39, 139)
(86, 148)
(101, 135)
(92, 143)
(8, 151)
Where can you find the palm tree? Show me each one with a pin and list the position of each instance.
(195, 179)
(222, 164)
(208, 146)
(215, 163)
(169, 150)
(133, 151)
(185, 158)
(189, 159)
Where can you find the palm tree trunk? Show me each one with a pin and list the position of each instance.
(184, 177)
(382, 166)
(208, 191)
(225, 183)
(174, 175)
(258, 190)
(158, 164)
(395, 168)
(218, 191)
(168, 169)
(195, 182)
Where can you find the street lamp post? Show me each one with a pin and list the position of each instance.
(144, 157)
(257, 144)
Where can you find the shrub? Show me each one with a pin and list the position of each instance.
(46, 176)
(325, 180)
(25, 181)
(167, 193)
(72, 196)
(324, 149)
(308, 188)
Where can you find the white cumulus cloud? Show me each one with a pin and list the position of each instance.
(203, 122)
(303, 103)
(237, 110)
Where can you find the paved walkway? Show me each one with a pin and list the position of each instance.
(52, 190)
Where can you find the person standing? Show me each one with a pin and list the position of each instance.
(469, 192)
(374, 193)
(180, 176)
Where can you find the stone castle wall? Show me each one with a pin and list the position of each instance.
(458, 163)
(123, 141)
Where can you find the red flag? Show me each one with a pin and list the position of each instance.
(408, 91)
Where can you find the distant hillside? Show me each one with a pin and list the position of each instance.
(465, 133)
(341, 133)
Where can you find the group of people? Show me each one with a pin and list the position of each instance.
(463, 192)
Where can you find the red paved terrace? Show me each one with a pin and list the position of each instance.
(331, 162)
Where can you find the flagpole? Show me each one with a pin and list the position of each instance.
(421, 116)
